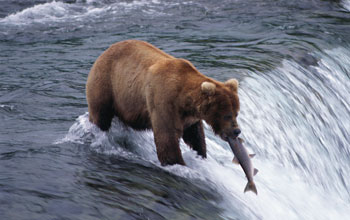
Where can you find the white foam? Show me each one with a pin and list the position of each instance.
(346, 4)
(5, 106)
(61, 12)
(39, 13)
(10, 107)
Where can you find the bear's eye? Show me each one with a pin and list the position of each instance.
(227, 117)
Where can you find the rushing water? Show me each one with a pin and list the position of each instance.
(292, 59)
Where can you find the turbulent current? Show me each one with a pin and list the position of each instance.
(292, 60)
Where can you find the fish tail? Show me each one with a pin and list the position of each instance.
(251, 187)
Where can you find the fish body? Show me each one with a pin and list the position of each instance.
(244, 159)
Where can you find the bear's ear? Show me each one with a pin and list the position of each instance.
(233, 84)
(208, 88)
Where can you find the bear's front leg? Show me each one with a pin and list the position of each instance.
(194, 137)
(166, 139)
(168, 149)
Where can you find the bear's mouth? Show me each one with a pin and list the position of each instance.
(225, 136)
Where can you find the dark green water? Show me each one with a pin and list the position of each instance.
(292, 59)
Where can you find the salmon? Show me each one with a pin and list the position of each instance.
(244, 159)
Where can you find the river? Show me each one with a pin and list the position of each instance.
(292, 60)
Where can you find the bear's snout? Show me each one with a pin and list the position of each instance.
(236, 132)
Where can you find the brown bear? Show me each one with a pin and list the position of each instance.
(147, 88)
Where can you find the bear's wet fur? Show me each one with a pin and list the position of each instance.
(149, 89)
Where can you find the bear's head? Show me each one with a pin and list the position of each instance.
(220, 107)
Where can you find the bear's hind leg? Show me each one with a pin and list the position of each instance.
(102, 116)
(194, 137)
